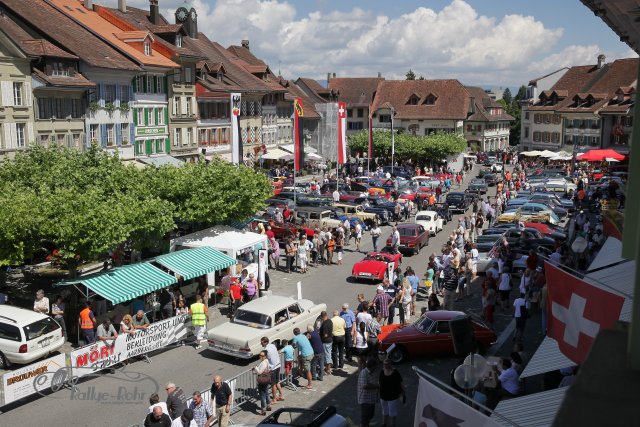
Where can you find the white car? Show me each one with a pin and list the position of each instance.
(274, 317)
(430, 220)
(496, 167)
(26, 336)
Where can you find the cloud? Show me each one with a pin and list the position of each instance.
(454, 42)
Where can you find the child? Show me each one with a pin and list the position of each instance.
(287, 350)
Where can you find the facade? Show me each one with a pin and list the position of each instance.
(487, 127)
(358, 93)
(590, 106)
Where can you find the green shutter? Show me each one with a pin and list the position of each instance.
(134, 84)
(167, 145)
(144, 82)
(135, 117)
(148, 147)
(146, 117)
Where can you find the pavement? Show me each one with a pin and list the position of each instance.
(193, 369)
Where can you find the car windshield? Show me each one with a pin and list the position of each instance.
(375, 258)
(454, 197)
(407, 232)
(40, 328)
(423, 324)
(423, 218)
(250, 318)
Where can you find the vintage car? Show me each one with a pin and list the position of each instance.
(274, 317)
(374, 265)
(490, 179)
(430, 220)
(486, 259)
(351, 210)
(457, 201)
(478, 185)
(429, 336)
(316, 217)
(281, 230)
(413, 237)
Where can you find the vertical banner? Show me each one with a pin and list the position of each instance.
(236, 139)
(342, 133)
(370, 151)
(298, 149)
(262, 268)
(391, 273)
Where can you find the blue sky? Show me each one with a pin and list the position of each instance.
(483, 42)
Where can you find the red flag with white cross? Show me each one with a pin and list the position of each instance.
(342, 133)
(577, 311)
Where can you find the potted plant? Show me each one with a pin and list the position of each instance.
(94, 106)
(124, 107)
(109, 107)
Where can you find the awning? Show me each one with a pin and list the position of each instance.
(190, 263)
(619, 280)
(277, 154)
(125, 283)
(547, 358)
(290, 148)
(532, 410)
(610, 253)
(161, 160)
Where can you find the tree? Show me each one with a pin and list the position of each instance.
(506, 96)
(410, 75)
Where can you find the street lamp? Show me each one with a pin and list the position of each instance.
(393, 141)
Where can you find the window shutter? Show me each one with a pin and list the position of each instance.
(146, 116)
(175, 106)
(134, 84)
(130, 93)
(7, 135)
(30, 137)
(27, 91)
(166, 115)
(132, 133)
(183, 105)
(118, 134)
(103, 135)
(7, 93)
(148, 147)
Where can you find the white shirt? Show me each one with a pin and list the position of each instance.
(505, 282)
(272, 356)
(336, 196)
(524, 284)
(517, 304)
(509, 381)
(178, 423)
(362, 317)
(395, 238)
(376, 231)
(474, 255)
(358, 231)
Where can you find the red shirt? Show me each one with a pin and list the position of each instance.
(269, 234)
(236, 291)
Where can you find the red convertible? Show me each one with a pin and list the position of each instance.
(429, 336)
(413, 237)
(374, 265)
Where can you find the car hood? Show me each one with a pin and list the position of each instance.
(369, 265)
(391, 333)
(235, 334)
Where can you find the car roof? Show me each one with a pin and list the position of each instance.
(537, 205)
(443, 314)
(426, 213)
(408, 226)
(19, 316)
(313, 209)
(268, 304)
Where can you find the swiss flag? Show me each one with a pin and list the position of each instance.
(577, 311)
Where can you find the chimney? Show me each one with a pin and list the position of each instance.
(88, 4)
(601, 59)
(122, 5)
(154, 12)
(334, 75)
(379, 75)
(328, 77)
(245, 44)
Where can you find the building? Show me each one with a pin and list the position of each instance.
(421, 107)
(589, 106)
(487, 127)
(358, 93)
(540, 84)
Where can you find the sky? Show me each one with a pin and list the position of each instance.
(490, 43)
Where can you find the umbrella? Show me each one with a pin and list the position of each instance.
(600, 155)
(563, 154)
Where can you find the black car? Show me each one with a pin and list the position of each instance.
(384, 214)
(400, 171)
(490, 179)
(529, 238)
(457, 201)
(478, 186)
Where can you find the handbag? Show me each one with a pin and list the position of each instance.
(264, 377)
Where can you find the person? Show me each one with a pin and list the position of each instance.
(199, 317)
(414, 281)
(520, 313)
(340, 245)
(140, 321)
(358, 235)
(433, 303)
(87, 323)
(176, 400)
(489, 303)
(273, 358)
(331, 246)
(222, 396)
(326, 335)
(126, 326)
(186, 420)
(382, 301)
(290, 249)
(363, 314)
(367, 393)
(167, 303)
(556, 257)
(287, 352)
(338, 333)
(395, 239)
(305, 354)
(429, 276)
(317, 363)
(391, 388)
(504, 288)
(262, 368)
(509, 379)
(405, 301)
(449, 285)
(235, 296)
(106, 332)
(41, 303)
(57, 311)
(302, 249)
(157, 419)
(181, 309)
(350, 324)
(154, 400)
(375, 236)
(251, 288)
(360, 339)
(373, 330)
(336, 195)
(274, 252)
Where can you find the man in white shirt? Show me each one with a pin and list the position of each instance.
(358, 236)
(509, 381)
(520, 314)
(395, 239)
(375, 235)
(336, 195)
(274, 367)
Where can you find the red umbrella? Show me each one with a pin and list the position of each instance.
(600, 155)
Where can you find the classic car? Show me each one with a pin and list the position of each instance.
(534, 209)
(347, 196)
(529, 238)
(429, 336)
(339, 214)
(379, 202)
(565, 203)
(546, 229)
(369, 218)
(271, 316)
(398, 171)
(490, 179)
(478, 185)
(430, 220)
(374, 265)
(413, 237)
(316, 217)
(457, 201)
(281, 230)
(551, 203)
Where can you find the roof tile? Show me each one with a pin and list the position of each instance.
(355, 91)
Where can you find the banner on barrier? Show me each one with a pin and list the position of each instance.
(31, 379)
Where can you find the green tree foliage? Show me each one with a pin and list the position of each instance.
(506, 96)
(86, 204)
(410, 75)
(421, 149)
(512, 106)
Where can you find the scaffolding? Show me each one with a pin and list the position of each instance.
(327, 131)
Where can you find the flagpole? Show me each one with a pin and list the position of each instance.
(448, 388)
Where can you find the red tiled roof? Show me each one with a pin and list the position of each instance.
(452, 102)
(308, 104)
(315, 86)
(269, 80)
(40, 18)
(246, 55)
(77, 80)
(355, 91)
(41, 47)
(162, 29)
(132, 35)
(483, 101)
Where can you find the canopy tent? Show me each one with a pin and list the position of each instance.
(290, 148)
(125, 283)
(610, 160)
(532, 410)
(313, 156)
(277, 154)
(562, 158)
(548, 154)
(190, 263)
(547, 358)
(563, 153)
(533, 153)
(600, 155)
(610, 253)
(228, 240)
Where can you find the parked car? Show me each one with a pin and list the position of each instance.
(316, 217)
(430, 220)
(486, 259)
(281, 230)
(354, 210)
(413, 237)
(478, 185)
(274, 317)
(457, 201)
(298, 417)
(546, 229)
(379, 202)
(490, 179)
(26, 336)
(374, 265)
(559, 201)
(429, 336)
(551, 203)
(398, 171)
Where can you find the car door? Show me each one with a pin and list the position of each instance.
(422, 236)
(441, 341)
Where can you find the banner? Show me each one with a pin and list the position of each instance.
(22, 382)
(236, 139)
(370, 150)
(342, 133)
(263, 265)
(439, 409)
(102, 355)
(298, 147)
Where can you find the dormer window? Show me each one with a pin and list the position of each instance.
(430, 99)
(219, 76)
(413, 100)
(59, 69)
(147, 48)
(178, 40)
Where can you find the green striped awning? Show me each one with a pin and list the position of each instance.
(125, 283)
(190, 263)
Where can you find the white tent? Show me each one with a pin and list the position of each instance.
(548, 154)
(228, 240)
(533, 153)
(290, 148)
(312, 156)
(277, 154)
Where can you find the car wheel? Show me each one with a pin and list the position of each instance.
(398, 355)
(3, 362)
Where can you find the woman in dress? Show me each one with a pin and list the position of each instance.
(391, 389)
(263, 389)
(406, 300)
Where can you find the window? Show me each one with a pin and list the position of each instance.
(160, 84)
(536, 136)
(188, 106)
(60, 139)
(179, 40)
(94, 133)
(355, 126)
(187, 75)
(430, 100)
(147, 48)
(18, 97)
(140, 116)
(556, 119)
(59, 69)
(10, 332)
(526, 131)
(176, 106)
(139, 84)
(149, 84)
(44, 140)
(360, 112)
(526, 115)
(385, 118)
(151, 120)
(58, 111)
(413, 129)
(176, 137)
(124, 131)
(189, 140)
(161, 113)
(109, 93)
(20, 135)
(413, 100)
(110, 134)
(124, 93)
(536, 118)
(75, 140)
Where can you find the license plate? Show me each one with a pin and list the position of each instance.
(225, 346)
(45, 342)
(365, 274)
